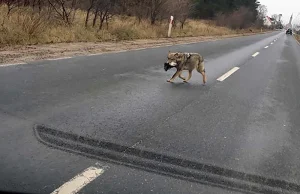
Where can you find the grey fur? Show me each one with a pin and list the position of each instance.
(185, 61)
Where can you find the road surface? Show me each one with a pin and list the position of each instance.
(112, 124)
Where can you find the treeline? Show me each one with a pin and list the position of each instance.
(231, 13)
(212, 8)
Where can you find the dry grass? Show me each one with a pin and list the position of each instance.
(297, 36)
(24, 27)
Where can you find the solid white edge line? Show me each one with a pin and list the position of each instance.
(61, 58)
(94, 54)
(255, 54)
(267, 47)
(11, 64)
(226, 75)
(79, 181)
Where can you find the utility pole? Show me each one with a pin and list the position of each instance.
(290, 22)
(279, 17)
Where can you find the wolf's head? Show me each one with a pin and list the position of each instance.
(173, 60)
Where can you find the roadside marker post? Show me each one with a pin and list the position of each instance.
(170, 26)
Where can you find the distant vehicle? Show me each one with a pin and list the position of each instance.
(289, 31)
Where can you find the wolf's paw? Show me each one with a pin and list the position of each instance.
(170, 81)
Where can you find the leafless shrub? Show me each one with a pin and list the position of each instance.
(33, 24)
(180, 9)
(139, 12)
(64, 9)
(155, 9)
(242, 18)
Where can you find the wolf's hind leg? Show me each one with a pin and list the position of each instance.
(181, 77)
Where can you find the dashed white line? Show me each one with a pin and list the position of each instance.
(271, 42)
(226, 75)
(255, 54)
(267, 47)
(79, 181)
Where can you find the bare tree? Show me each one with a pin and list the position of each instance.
(155, 9)
(104, 10)
(261, 16)
(124, 6)
(89, 9)
(138, 9)
(262, 11)
(186, 7)
(180, 9)
(64, 9)
(275, 18)
(37, 3)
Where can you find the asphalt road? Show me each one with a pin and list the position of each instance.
(117, 113)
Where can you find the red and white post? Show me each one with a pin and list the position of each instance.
(170, 26)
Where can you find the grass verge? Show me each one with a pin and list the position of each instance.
(25, 27)
(297, 36)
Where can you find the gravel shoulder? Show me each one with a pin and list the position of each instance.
(25, 54)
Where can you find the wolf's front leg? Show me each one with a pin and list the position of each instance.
(189, 77)
(174, 76)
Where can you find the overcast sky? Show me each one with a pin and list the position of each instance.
(285, 7)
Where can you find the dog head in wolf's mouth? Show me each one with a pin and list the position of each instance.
(173, 60)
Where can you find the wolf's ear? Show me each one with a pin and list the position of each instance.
(176, 54)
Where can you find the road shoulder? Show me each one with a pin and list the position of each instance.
(11, 55)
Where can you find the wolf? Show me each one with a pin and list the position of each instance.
(185, 61)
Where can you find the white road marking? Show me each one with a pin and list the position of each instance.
(123, 51)
(11, 64)
(271, 42)
(79, 181)
(255, 54)
(267, 47)
(226, 75)
(61, 58)
(94, 54)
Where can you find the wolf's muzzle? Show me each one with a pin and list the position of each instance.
(167, 66)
